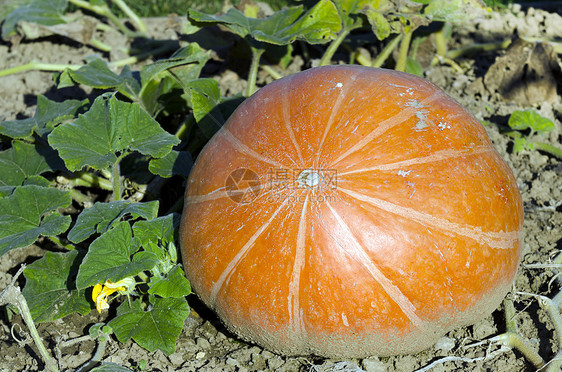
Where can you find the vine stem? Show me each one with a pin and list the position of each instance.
(35, 65)
(334, 45)
(116, 179)
(12, 295)
(272, 72)
(387, 50)
(90, 180)
(477, 48)
(98, 355)
(552, 150)
(403, 51)
(53, 67)
(58, 242)
(253, 74)
(513, 339)
(139, 24)
(104, 11)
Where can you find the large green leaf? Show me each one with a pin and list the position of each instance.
(19, 163)
(112, 257)
(155, 328)
(44, 12)
(158, 236)
(453, 11)
(175, 163)
(204, 97)
(47, 115)
(379, 23)
(102, 216)
(530, 119)
(163, 80)
(30, 212)
(49, 289)
(110, 128)
(319, 25)
(97, 74)
(192, 55)
(162, 229)
(173, 284)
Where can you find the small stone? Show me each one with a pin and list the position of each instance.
(373, 365)
(208, 330)
(176, 358)
(242, 355)
(202, 343)
(445, 344)
(275, 362)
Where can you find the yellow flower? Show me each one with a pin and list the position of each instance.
(101, 292)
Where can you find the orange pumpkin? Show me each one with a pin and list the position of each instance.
(347, 211)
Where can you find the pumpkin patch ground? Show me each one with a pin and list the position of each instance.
(481, 86)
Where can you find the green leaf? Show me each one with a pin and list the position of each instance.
(192, 55)
(204, 97)
(379, 24)
(521, 144)
(530, 119)
(96, 74)
(44, 12)
(49, 288)
(162, 79)
(161, 230)
(452, 11)
(30, 212)
(102, 216)
(109, 258)
(174, 284)
(47, 115)
(175, 163)
(19, 163)
(100, 331)
(110, 128)
(209, 109)
(413, 67)
(319, 25)
(156, 328)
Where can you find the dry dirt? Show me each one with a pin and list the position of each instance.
(204, 345)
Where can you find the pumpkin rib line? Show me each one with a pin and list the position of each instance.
(244, 149)
(233, 264)
(286, 114)
(295, 317)
(361, 256)
(213, 195)
(386, 125)
(433, 158)
(495, 240)
(335, 109)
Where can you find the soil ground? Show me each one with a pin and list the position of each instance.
(204, 345)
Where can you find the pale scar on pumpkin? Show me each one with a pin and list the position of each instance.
(384, 126)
